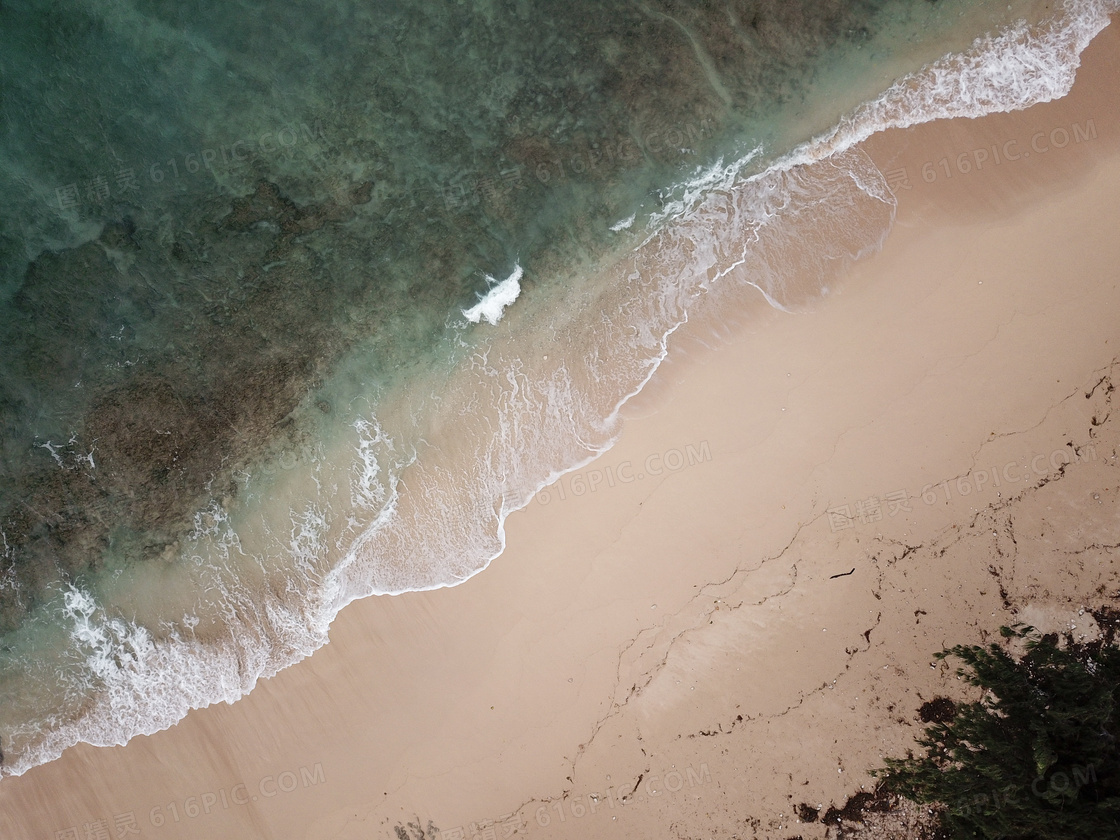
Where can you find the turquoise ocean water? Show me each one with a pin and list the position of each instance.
(299, 301)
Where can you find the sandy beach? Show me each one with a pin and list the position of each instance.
(734, 611)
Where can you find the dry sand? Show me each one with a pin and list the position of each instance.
(676, 651)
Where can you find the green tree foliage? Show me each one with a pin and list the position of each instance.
(1037, 757)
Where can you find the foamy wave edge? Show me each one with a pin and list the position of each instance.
(154, 686)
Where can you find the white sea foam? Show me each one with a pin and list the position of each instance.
(717, 230)
(1009, 71)
(73, 455)
(494, 302)
(625, 224)
(141, 687)
(108, 643)
(368, 489)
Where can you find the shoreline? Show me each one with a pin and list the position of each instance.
(417, 549)
(601, 591)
